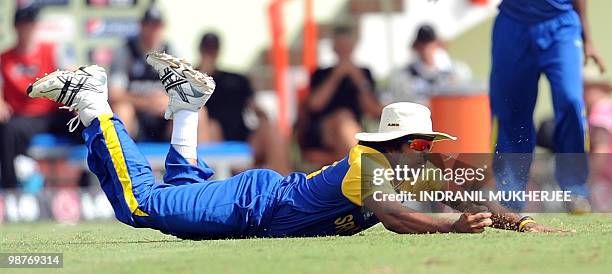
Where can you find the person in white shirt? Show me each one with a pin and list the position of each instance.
(432, 67)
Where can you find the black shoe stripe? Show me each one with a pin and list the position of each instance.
(64, 89)
(84, 71)
(71, 95)
(177, 83)
(181, 93)
(183, 96)
(167, 75)
(76, 90)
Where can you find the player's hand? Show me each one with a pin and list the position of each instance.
(5, 111)
(591, 53)
(538, 228)
(472, 222)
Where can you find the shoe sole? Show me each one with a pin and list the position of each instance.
(193, 76)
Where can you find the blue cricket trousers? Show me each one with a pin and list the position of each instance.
(186, 204)
(521, 52)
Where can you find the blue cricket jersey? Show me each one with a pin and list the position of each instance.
(325, 202)
(257, 202)
(531, 11)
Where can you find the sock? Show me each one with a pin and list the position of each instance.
(93, 111)
(185, 133)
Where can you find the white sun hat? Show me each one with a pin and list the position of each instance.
(401, 119)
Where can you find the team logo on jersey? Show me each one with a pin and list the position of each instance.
(346, 225)
(22, 70)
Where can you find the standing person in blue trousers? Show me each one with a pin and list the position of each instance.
(530, 38)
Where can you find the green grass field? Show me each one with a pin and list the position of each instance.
(111, 247)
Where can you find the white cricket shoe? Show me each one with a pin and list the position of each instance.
(84, 90)
(187, 88)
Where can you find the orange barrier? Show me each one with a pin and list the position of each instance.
(309, 54)
(464, 116)
(279, 56)
(280, 60)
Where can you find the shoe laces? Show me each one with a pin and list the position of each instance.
(73, 123)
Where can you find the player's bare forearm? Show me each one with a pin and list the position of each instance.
(402, 220)
(417, 223)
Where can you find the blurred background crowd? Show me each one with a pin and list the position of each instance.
(296, 79)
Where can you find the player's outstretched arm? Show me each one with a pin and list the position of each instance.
(403, 220)
(502, 217)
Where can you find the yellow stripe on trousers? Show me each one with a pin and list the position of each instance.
(116, 153)
(587, 134)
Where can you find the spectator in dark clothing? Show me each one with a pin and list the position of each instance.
(135, 90)
(232, 94)
(340, 96)
(22, 117)
(232, 101)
